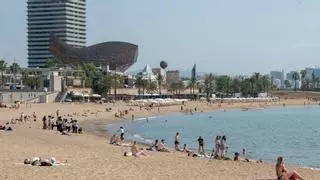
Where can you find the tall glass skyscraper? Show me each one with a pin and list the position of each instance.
(65, 18)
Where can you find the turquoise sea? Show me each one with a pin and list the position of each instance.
(292, 132)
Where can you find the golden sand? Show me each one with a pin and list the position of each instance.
(91, 157)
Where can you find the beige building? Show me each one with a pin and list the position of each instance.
(172, 76)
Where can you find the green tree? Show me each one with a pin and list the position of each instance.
(144, 85)
(295, 77)
(287, 84)
(159, 80)
(3, 66)
(15, 69)
(313, 76)
(138, 83)
(303, 74)
(236, 85)
(265, 83)
(90, 72)
(117, 83)
(102, 85)
(246, 87)
(222, 84)
(151, 87)
(209, 85)
(51, 63)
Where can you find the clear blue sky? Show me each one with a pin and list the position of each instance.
(220, 36)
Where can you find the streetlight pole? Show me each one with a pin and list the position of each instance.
(115, 82)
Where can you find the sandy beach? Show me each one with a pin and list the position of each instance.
(90, 156)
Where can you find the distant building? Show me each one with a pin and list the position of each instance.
(309, 72)
(173, 76)
(316, 72)
(276, 74)
(147, 73)
(160, 71)
(277, 82)
(65, 18)
(289, 75)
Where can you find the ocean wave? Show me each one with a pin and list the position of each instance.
(145, 118)
(139, 138)
(311, 168)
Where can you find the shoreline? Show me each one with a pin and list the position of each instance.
(92, 157)
(106, 133)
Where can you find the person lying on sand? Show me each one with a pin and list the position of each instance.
(37, 161)
(135, 151)
(161, 147)
(283, 173)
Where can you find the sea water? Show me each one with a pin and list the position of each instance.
(292, 132)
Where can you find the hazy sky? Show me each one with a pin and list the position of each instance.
(221, 36)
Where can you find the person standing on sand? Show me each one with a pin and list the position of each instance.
(217, 145)
(223, 146)
(201, 145)
(34, 116)
(177, 142)
(44, 122)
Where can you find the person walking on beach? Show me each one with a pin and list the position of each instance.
(122, 131)
(223, 146)
(201, 145)
(283, 173)
(177, 142)
(34, 116)
(44, 122)
(217, 145)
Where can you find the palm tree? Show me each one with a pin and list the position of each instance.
(3, 66)
(144, 84)
(138, 84)
(314, 80)
(295, 77)
(303, 74)
(303, 79)
(236, 85)
(159, 79)
(152, 86)
(265, 81)
(118, 83)
(180, 86)
(245, 87)
(209, 85)
(15, 68)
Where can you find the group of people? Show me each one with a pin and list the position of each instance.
(63, 125)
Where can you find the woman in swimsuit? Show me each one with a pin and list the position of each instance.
(135, 151)
(282, 172)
